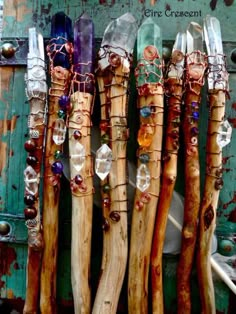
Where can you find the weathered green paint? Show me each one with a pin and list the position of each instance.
(13, 104)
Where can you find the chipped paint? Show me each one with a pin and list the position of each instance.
(7, 257)
(232, 201)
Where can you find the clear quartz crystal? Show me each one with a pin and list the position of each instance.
(120, 36)
(59, 132)
(78, 156)
(194, 37)
(217, 76)
(31, 180)
(178, 53)
(224, 134)
(143, 178)
(103, 161)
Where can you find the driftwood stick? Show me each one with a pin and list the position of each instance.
(173, 90)
(36, 90)
(194, 81)
(115, 243)
(144, 211)
(114, 58)
(149, 84)
(82, 200)
(60, 80)
(212, 186)
(218, 136)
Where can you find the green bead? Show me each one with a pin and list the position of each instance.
(106, 188)
(105, 139)
(61, 114)
(57, 154)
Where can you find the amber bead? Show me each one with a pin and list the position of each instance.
(145, 136)
(30, 145)
(29, 199)
(30, 212)
(31, 160)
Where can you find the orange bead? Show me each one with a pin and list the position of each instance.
(145, 136)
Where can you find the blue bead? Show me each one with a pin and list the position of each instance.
(194, 104)
(64, 102)
(145, 112)
(196, 115)
(57, 167)
(144, 158)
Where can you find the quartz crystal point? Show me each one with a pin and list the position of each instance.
(224, 134)
(119, 36)
(31, 180)
(149, 49)
(78, 158)
(61, 30)
(84, 50)
(36, 75)
(178, 53)
(143, 178)
(194, 37)
(59, 132)
(103, 161)
(217, 76)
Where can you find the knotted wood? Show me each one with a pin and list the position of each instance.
(143, 217)
(173, 87)
(82, 202)
(213, 184)
(113, 96)
(59, 86)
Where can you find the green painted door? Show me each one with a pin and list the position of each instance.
(171, 16)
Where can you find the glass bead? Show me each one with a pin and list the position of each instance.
(114, 216)
(105, 139)
(29, 199)
(103, 161)
(195, 115)
(174, 134)
(61, 114)
(57, 167)
(58, 154)
(105, 225)
(106, 188)
(64, 102)
(77, 135)
(30, 145)
(145, 136)
(106, 202)
(139, 205)
(144, 158)
(31, 160)
(145, 112)
(78, 179)
(103, 125)
(194, 131)
(30, 212)
(145, 197)
(194, 104)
